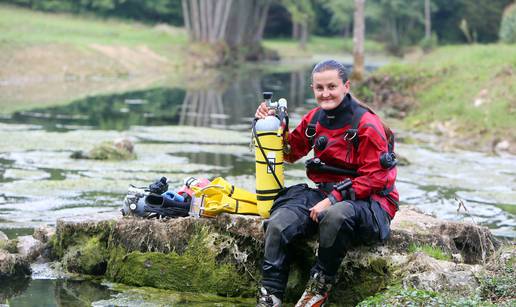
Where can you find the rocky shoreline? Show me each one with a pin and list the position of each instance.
(222, 255)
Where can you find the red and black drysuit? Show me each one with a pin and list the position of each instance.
(359, 215)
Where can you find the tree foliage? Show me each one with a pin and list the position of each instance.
(151, 11)
(508, 26)
(395, 22)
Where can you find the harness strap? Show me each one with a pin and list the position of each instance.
(311, 128)
(351, 134)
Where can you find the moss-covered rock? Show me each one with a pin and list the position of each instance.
(13, 266)
(223, 255)
(10, 246)
(88, 257)
(195, 270)
(117, 150)
(75, 232)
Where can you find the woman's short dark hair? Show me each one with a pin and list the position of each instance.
(332, 65)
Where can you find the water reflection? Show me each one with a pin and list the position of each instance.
(52, 292)
(233, 165)
(223, 102)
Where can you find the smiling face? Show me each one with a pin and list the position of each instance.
(329, 89)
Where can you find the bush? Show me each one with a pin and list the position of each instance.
(508, 26)
(429, 43)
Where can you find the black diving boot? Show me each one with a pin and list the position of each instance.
(265, 299)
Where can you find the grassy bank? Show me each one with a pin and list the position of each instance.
(22, 28)
(288, 48)
(462, 91)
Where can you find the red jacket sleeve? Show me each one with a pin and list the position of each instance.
(372, 143)
(299, 145)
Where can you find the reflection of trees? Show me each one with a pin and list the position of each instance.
(225, 103)
(298, 87)
(79, 293)
(12, 287)
(154, 107)
(229, 100)
(233, 101)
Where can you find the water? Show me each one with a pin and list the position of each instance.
(197, 132)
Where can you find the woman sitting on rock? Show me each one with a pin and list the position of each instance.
(355, 200)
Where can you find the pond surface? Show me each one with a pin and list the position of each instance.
(202, 132)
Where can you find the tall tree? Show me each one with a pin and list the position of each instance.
(235, 24)
(341, 14)
(428, 20)
(302, 14)
(358, 41)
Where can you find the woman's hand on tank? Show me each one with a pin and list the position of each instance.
(319, 208)
(263, 111)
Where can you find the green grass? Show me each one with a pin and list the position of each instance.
(452, 78)
(319, 45)
(25, 27)
(399, 296)
(434, 252)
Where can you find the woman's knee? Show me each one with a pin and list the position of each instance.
(338, 214)
(339, 218)
(281, 227)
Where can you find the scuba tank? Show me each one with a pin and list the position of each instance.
(268, 134)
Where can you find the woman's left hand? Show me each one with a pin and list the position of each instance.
(320, 207)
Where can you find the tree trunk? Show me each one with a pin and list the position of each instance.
(358, 41)
(428, 20)
(295, 30)
(304, 35)
(186, 14)
(233, 26)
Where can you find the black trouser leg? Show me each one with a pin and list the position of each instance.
(346, 224)
(281, 228)
(336, 230)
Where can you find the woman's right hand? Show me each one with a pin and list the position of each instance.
(263, 111)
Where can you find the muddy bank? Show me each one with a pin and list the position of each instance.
(222, 256)
(35, 76)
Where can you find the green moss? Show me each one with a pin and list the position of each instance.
(10, 246)
(499, 286)
(159, 297)
(399, 296)
(89, 257)
(360, 279)
(197, 270)
(69, 235)
(105, 151)
(507, 208)
(432, 251)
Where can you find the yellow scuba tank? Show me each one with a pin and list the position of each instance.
(268, 141)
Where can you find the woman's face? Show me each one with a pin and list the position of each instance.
(329, 89)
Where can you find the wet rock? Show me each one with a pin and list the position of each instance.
(223, 255)
(124, 144)
(427, 273)
(29, 248)
(120, 149)
(13, 266)
(44, 233)
(3, 237)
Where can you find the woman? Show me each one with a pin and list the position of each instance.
(355, 199)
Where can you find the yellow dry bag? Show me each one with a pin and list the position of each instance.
(221, 196)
